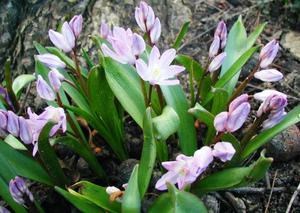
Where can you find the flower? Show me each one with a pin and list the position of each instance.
(4, 94)
(269, 75)
(76, 25)
(105, 30)
(224, 151)
(221, 32)
(261, 96)
(55, 79)
(155, 31)
(232, 120)
(4, 210)
(159, 71)
(12, 123)
(3, 119)
(19, 190)
(217, 62)
(51, 60)
(126, 46)
(44, 90)
(268, 53)
(25, 131)
(64, 40)
(214, 47)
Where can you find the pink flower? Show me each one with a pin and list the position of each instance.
(268, 53)
(224, 151)
(217, 62)
(159, 71)
(44, 90)
(50, 60)
(55, 79)
(261, 96)
(64, 40)
(221, 32)
(105, 30)
(155, 31)
(269, 75)
(126, 46)
(76, 25)
(214, 47)
(232, 120)
(12, 123)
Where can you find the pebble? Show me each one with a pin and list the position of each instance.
(291, 41)
(212, 204)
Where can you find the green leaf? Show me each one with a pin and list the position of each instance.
(237, 45)
(131, 200)
(166, 124)
(48, 156)
(14, 142)
(181, 34)
(79, 201)
(97, 195)
(87, 59)
(125, 83)
(201, 114)
(8, 85)
(176, 201)
(262, 138)
(191, 65)
(5, 195)
(22, 81)
(175, 97)
(83, 151)
(233, 177)
(23, 165)
(148, 157)
(228, 137)
(231, 72)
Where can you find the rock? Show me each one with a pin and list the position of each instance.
(211, 203)
(286, 145)
(237, 203)
(291, 41)
(83, 168)
(125, 169)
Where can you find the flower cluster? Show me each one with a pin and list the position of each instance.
(185, 170)
(28, 130)
(19, 191)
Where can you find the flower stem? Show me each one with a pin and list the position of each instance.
(160, 97)
(200, 82)
(143, 87)
(78, 72)
(149, 96)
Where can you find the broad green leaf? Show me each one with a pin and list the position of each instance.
(23, 165)
(231, 72)
(181, 35)
(175, 97)
(228, 137)
(97, 195)
(125, 83)
(83, 151)
(14, 142)
(87, 59)
(176, 201)
(131, 202)
(201, 114)
(237, 44)
(5, 195)
(191, 65)
(49, 157)
(21, 81)
(262, 138)
(166, 124)
(79, 201)
(148, 157)
(233, 177)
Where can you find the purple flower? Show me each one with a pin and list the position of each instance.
(261, 96)
(105, 30)
(144, 16)
(3, 119)
(25, 131)
(126, 46)
(4, 94)
(159, 71)
(64, 40)
(155, 31)
(19, 191)
(12, 123)
(232, 120)
(214, 47)
(55, 79)
(269, 75)
(268, 53)
(221, 32)
(224, 151)
(76, 25)
(217, 62)
(44, 90)
(202, 158)
(50, 60)
(3, 210)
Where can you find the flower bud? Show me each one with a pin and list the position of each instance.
(221, 32)
(238, 117)
(3, 210)
(217, 62)
(237, 102)
(138, 44)
(155, 31)
(25, 131)
(104, 30)
(273, 103)
(112, 189)
(269, 75)
(220, 121)
(19, 191)
(261, 96)
(3, 120)
(55, 79)
(12, 123)
(214, 47)
(268, 53)
(50, 60)
(224, 151)
(202, 158)
(64, 40)
(76, 25)
(44, 90)
(144, 16)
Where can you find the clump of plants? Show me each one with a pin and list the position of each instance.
(132, 76)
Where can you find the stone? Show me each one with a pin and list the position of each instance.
(291, 41)
(286, 145)
(212, 204)
(125, 170)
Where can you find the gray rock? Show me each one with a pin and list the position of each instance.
(125, 170)
(211, 203)
(286, 145)
(291, 41)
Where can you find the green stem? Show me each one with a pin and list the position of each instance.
(149, 96)
(78, 73)
(143, 87)
(191, 84)
(200, 82)
(160, 97)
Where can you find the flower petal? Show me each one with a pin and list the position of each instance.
(269, 75)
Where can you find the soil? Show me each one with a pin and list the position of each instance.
(204, 15)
